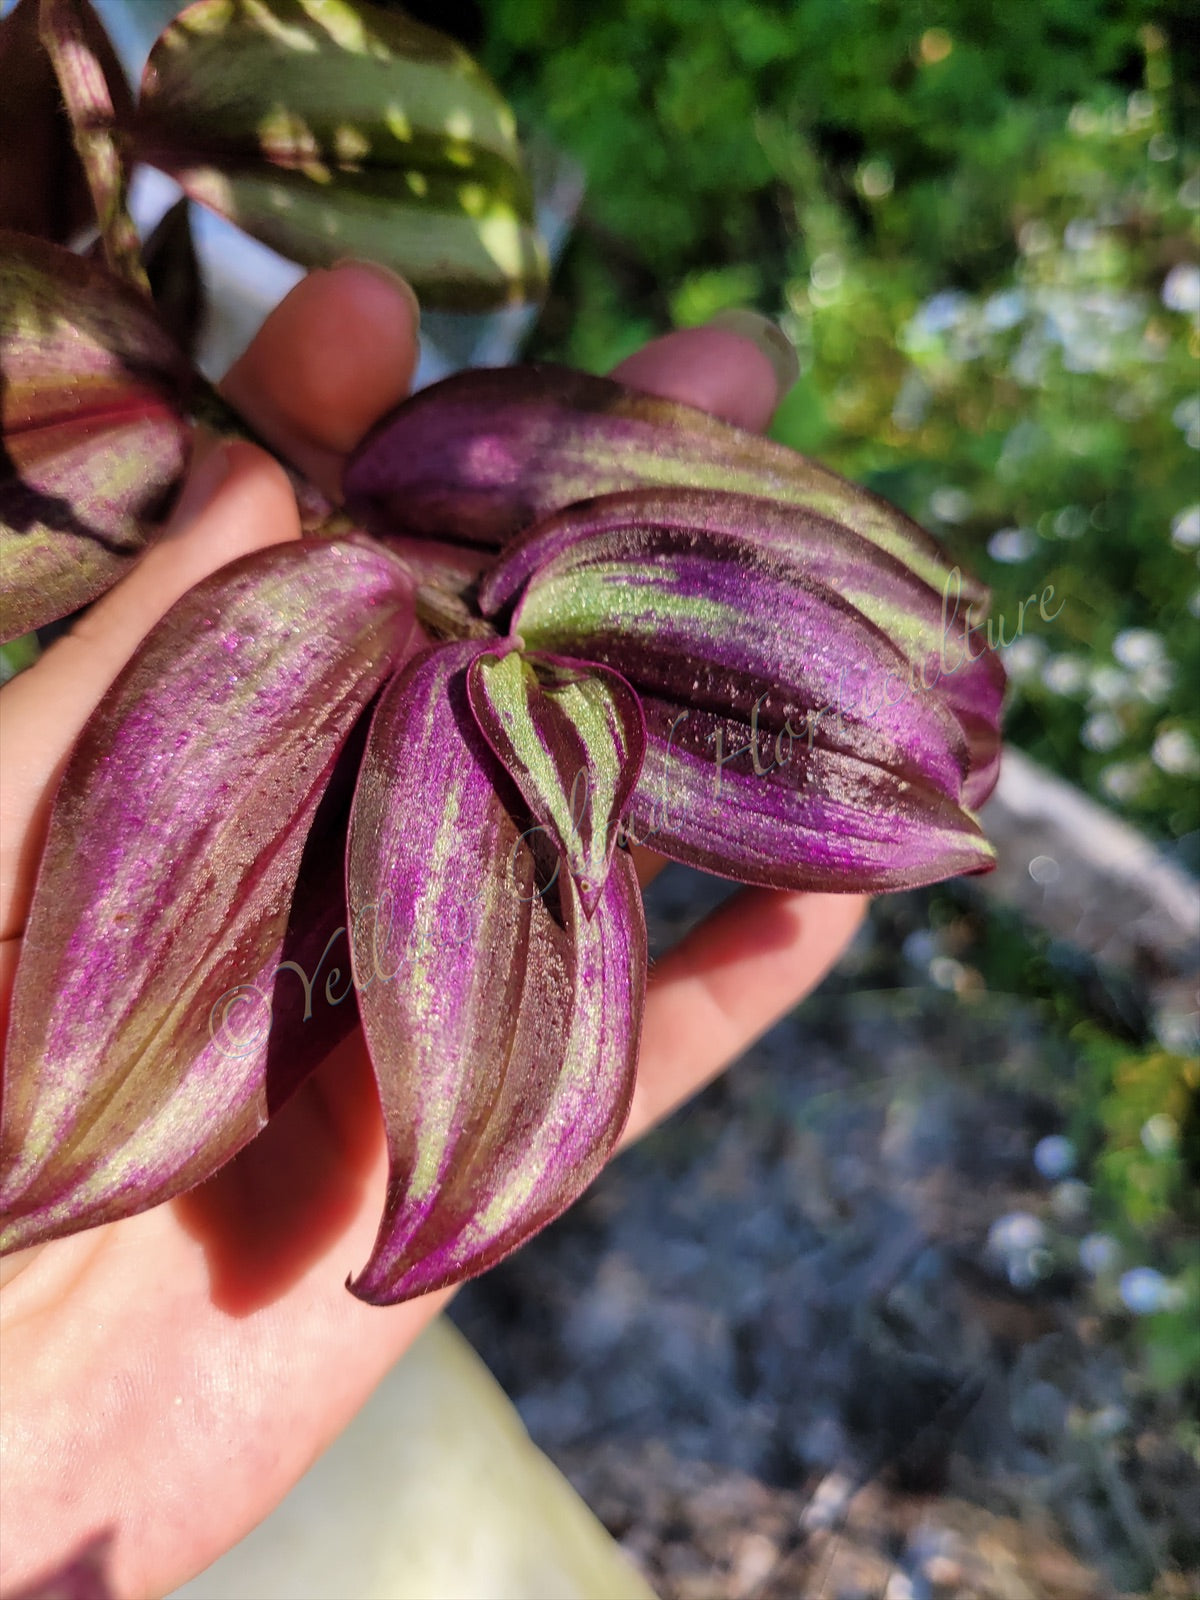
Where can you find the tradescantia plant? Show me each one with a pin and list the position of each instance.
(391, 773)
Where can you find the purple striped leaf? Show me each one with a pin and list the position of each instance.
(790, 740)
(483, 455)
(927, 623)
(93, 440)
(746, 799)
(502, 1024)
(158, 1004)
(572, 738)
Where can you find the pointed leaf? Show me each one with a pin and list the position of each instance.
(173, 269)
(503, 1026)
(484, 455)
(152, 1009)
(822, 819)
(77, 45)
(790, 742)
(92, 436)
(929, 625)
(330, 128)
(572, 738)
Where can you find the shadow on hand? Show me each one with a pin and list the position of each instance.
(268, 1215)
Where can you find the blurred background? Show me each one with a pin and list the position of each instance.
(909, 1305)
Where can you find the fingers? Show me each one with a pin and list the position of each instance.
(336, 354)
(237, 500)
(715, 369)
(730, 980)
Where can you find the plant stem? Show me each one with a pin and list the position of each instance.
(448, 616)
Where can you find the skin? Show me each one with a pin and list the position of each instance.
(167, 1379)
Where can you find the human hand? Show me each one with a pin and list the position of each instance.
(168, 1378)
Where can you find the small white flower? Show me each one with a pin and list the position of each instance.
(1016, 1233)
(1137, 647)
(875, 178)
(1185, 528)
(1124, 780)
(1071, 1200)
(1098, 1253)
(950, 505)
(1065, 674)
(1080, 234)
(1004, 310)
(1175, 751)
(948, 974)
(1011, 544)
(1144, 1291)
(1024, 656)
(1054, 1156)
(1035, 238)
(1160, 1134)
(1109, 686)
(827, 272)
(942, 311)
(1155, 682)
(1181, 288)
(1186, 417)
(1102, 732)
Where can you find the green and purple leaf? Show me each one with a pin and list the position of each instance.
(77, 46)
(157, 1002)
(330, 128)
(572, 737)
(502, 1024)
(484, 455)
(789, 740)
(43, 189)
(927, 624)
(93, 440)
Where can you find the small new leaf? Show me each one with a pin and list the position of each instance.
(572, 737)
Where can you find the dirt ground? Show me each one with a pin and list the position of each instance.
(826, 1333)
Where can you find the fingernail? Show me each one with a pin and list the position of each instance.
(766, 336)
(393, 279)
(209, 468)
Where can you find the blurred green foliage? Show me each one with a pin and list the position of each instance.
(979, 226)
